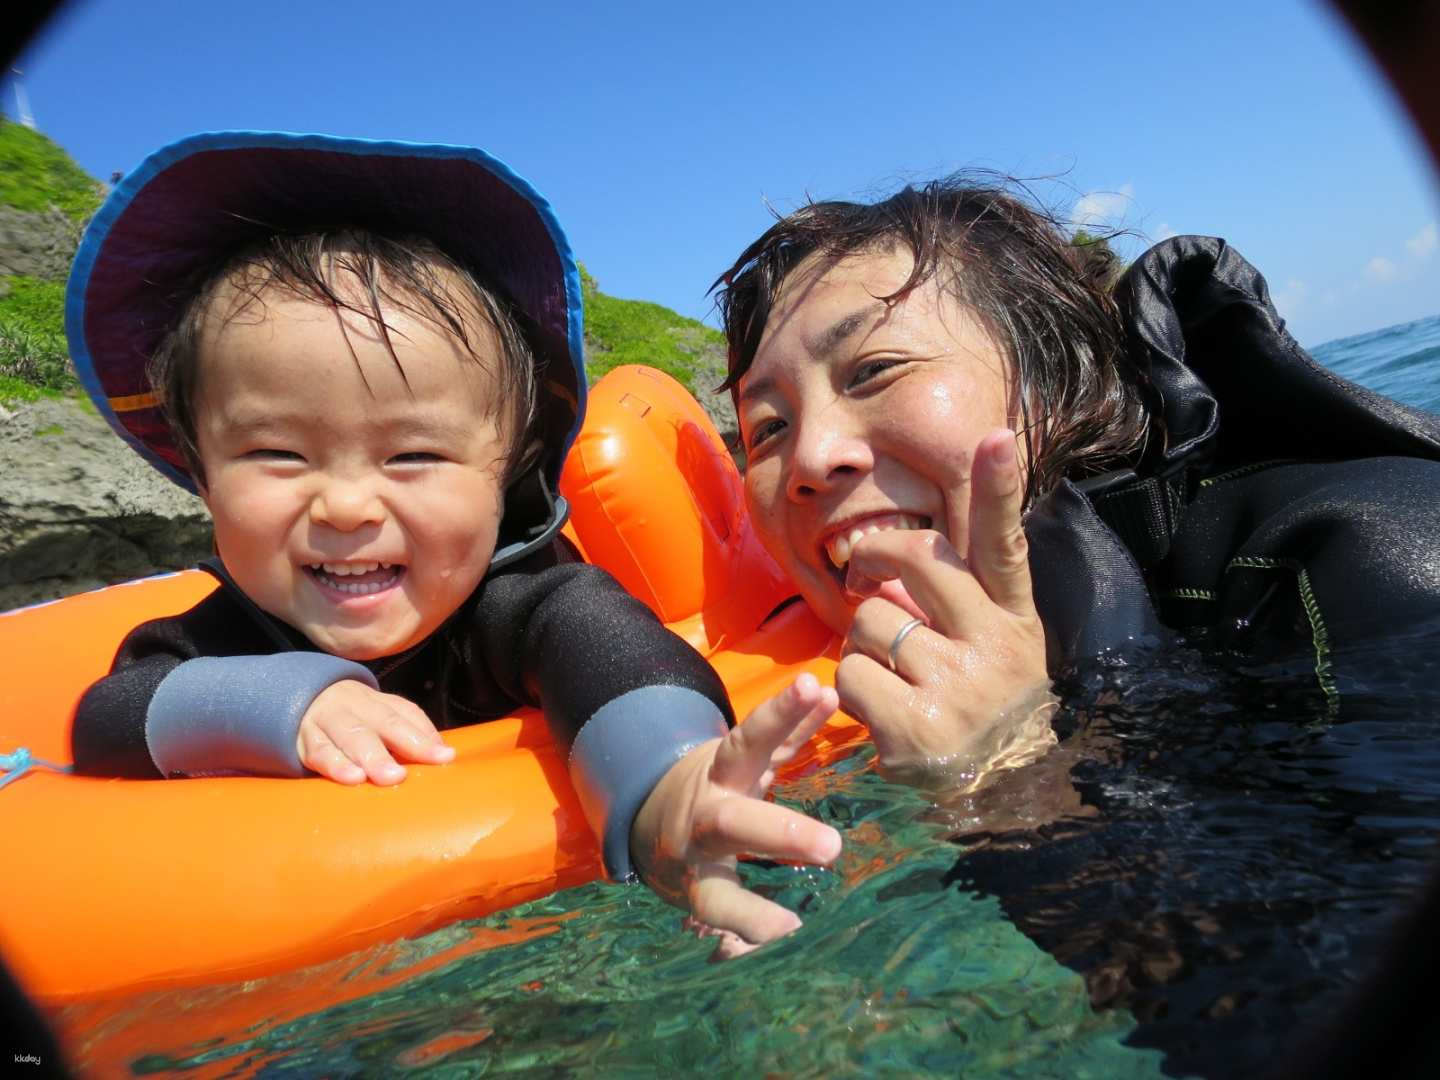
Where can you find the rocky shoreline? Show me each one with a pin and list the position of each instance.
(79, 509)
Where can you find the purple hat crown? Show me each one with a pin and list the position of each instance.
(191, 204)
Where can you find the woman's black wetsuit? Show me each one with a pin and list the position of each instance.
(1277, 507)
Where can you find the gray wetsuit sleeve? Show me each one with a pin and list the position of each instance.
(623, 750)
(229, 714)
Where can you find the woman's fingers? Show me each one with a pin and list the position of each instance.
(882, 702)
(932, 572)
(952, 591)
(876, 632)
(999, 553)
(933, 692)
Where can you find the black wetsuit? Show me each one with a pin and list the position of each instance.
(1277, 507)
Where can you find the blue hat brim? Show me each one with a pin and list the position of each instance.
(190, 205)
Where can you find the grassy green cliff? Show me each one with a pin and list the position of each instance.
(33, 355)
(36, 175)
(45, 200)
(638, 332)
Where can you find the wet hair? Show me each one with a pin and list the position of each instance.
(362, 272)
(1044, 300)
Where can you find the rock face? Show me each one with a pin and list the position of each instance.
(79, 509)
(37, 244)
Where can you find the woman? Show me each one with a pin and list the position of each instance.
(914, 376)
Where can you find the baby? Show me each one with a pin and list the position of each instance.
(366, 358)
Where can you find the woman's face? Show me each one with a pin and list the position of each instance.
(858, 416)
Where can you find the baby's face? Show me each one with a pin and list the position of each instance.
(355, 503)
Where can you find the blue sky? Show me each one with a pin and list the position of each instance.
(663, 131)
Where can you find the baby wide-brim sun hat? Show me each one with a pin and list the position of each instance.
(192, 204)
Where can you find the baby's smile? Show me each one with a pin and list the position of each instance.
(356, 579)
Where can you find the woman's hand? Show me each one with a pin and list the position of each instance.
(710, 807)
(968, 688)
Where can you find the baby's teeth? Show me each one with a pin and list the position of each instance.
(356, 588)
(839, 550)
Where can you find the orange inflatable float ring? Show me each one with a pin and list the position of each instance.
(114, 886)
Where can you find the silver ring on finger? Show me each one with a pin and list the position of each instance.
(901, 635)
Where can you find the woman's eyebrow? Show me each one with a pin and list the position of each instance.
(755, 389)
(822, 345)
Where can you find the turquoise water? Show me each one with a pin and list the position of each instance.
(895, 971)
(1200, 872)
(1402, 362)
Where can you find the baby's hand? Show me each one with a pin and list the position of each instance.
(346, 731)
(711, 807)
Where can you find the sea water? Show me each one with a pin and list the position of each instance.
(1190, 884)
(1402, 362)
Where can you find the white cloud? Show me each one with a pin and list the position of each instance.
(1102, 207)
(1381, 269)
(1291, 298)
(1422, 245)
(1163, 231)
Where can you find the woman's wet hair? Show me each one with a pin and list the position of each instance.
(1044, 299)
(365, 273)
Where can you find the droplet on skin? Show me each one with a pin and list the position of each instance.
(942, 397)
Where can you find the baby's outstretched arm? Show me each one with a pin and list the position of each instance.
(644, 723)
(710, 807)
(353, 733)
